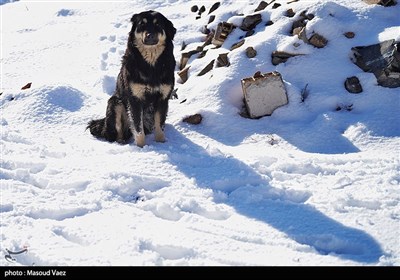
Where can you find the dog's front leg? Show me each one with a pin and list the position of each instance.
(159, 120)
(135, 113)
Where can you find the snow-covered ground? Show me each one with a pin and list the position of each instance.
(309, 185)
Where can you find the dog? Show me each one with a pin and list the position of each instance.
(144, 85)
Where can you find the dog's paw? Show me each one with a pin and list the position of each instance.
(140, 140)
(160, 137)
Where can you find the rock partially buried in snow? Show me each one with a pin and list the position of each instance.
(281, 57)
(318, 41)
(264, 93)
(222, 32)
(250, 22)
(353, 85)
(384, 3)
(193, 119)
(383, 60)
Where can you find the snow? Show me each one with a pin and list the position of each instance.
(316, 183)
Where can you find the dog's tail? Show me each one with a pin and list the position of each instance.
(96, 128)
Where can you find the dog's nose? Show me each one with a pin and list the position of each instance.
(150, 39)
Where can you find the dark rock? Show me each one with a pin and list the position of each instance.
(186, 56)
(222, 60)
(349, 35)
(261, 6)
(222, 32)
(251, 52)
(183, 74)
(202, 10)
(193, 119)
(198, 17)
(276, 5)
(211, 19)
(353, 85)
(290, 13)
(382, 59)
(249, 33)
(214, 7)
(194, 8)
(184, 45)
(304, 15)
(250, 22)
(384, 3)
(300, 23)
(318, 41)
(237, 45)
(207, 68)
(270, 22)
(281, 57)
(202, 54)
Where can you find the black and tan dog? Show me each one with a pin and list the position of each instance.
(144, 85)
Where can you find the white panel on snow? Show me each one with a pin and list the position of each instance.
(263, 93)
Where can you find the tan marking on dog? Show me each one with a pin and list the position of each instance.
(155, 21)
(150, 53)
(120, 115)
(145, 20)
(140, 138)
(139, 90)
(159, 133)
(165, 90)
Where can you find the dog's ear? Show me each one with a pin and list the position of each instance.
(135, 20)
(171, 30)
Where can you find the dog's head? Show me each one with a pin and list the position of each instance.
(151, 28)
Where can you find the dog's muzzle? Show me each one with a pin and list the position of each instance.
(150, 39)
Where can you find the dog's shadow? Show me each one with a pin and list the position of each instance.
(251, 195)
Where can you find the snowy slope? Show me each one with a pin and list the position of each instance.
(309, 185)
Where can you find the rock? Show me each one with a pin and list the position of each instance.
(186, 56)
(384, 3)
(383, 60)
(290, 13)
(318, 41)
(222, 32)
(261, 6)
(202, 54)
(264, 93)
(183, 74)
(193, 119)
(276, 5)
(222, 60)
(249, 33)
(353, 85)
(237, 45)
(202, 10)
(205, 30)
(250, 22)
(251, 52)
(207, 68)
(214, 7)
(211, 19)
(270, 22)
(194, 8)
(349, 35)
(281, 57)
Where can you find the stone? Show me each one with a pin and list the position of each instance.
(268, 23)
(193, 119)
(318, 41)
(264, 94)
(186, 56)
(211, 19)
(353, 85)
(384, 3)
(183, 74)
(214, 7)
(261, 6)
(194, 8)
(349, 35)
(249, 33)
(276, 5)
(237, 45)
(383, 60)
(290, 13)
(222, 32)
(250, 22)
(222, 60)
(281, 57)
(202, 10)
(251, 52)
(207, 68)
